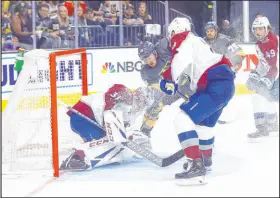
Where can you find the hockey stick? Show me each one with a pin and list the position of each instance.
(162, 162)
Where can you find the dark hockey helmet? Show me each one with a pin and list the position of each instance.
(146, 49)
(211, 25)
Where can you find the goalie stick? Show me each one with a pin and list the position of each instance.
(162, 162)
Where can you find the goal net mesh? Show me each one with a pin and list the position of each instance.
(27, 132)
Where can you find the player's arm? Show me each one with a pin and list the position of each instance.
(263, 67)
(257, 78)
(235, 54)
(182, 63)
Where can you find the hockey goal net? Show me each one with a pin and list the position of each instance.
(36, 133)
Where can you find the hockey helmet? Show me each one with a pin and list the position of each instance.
(179, 25)
(261, 22)
(118, 94)
(211, 25)
(145, 49)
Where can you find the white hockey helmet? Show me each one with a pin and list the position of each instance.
(178, 25)
(261, 22)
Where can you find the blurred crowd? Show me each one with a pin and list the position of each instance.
(54, 27)
(98, 24)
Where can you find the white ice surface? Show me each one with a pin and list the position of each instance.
(239, 168)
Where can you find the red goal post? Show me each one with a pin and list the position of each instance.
(53, 86)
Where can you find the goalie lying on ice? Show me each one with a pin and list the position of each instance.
(99, 147)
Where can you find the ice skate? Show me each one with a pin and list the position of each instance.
(261, 132)
(207, 163)
(194, 175)
(273, 127)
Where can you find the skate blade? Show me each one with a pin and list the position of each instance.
(208, 168)
(254, 140)
(263, 138)
(197, 181)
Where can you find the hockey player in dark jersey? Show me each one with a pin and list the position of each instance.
(222, 44)
(156, 61)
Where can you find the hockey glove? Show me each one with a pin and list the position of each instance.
(266, 82)
(168, 86)
(253, 81)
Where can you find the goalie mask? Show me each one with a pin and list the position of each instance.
(261, 27)
(118, 94)
(179, 25)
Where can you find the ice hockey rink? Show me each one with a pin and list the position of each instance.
(239, 168)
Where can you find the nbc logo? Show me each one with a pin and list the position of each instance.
(108, 68)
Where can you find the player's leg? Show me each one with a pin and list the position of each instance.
(260, 104)
(272, 117)
(86, 130)
(150, 118)
(189, 140)
(199, 110)
(273, 108)
(97, 150)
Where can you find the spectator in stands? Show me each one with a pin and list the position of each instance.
(110, 10)
(48, 33)
(143, 13)
(11, 7)
(259, 15)
(93, 19)
(8, 40)
(53, 8)
(95, 6)
(130, 34)
(124, 3)
(128, 17)
(22, 25)
(66, 33)
(228, 30)
(83, 31)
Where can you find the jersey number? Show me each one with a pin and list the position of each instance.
(270, 54)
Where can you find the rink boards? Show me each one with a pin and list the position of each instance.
(107, 67)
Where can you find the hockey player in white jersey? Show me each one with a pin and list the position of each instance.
(98, 147)
(264, 80)
(211, 79)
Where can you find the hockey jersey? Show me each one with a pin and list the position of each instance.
(192, 56)
(268, 55)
